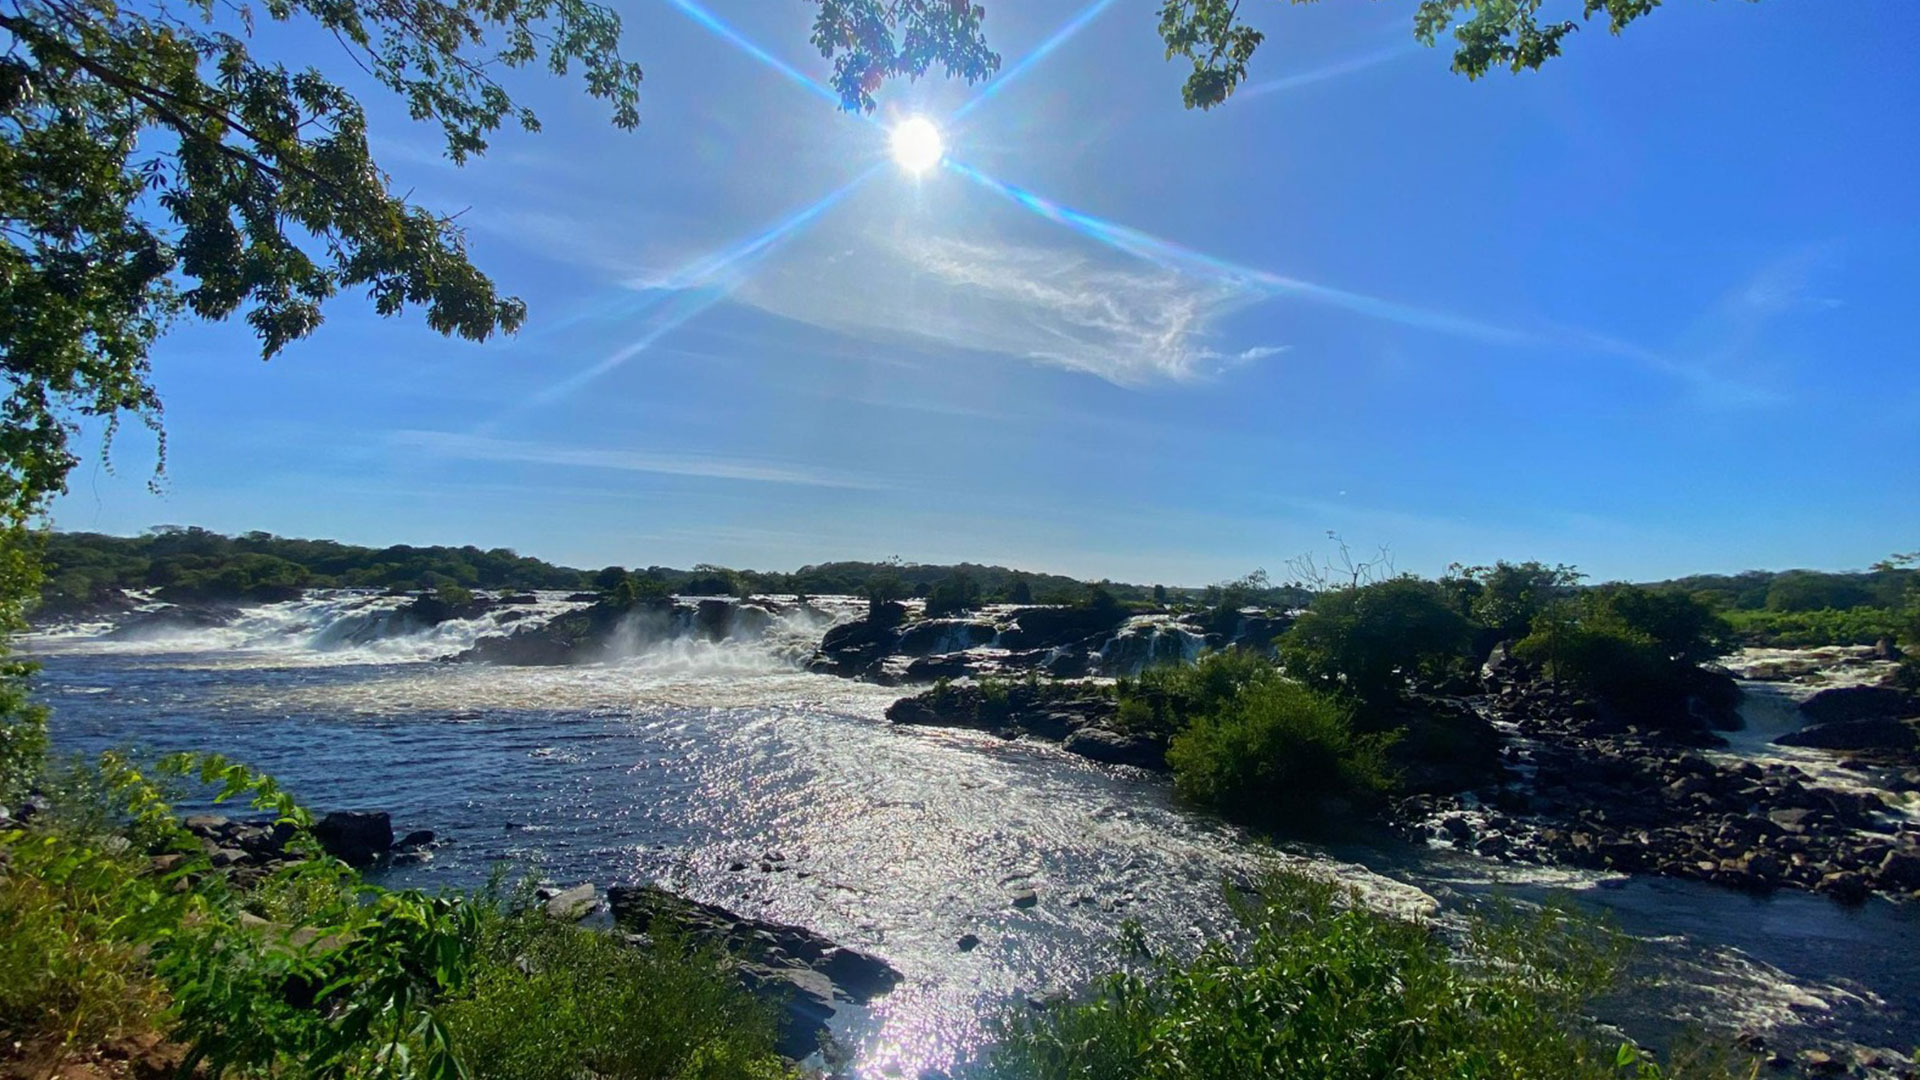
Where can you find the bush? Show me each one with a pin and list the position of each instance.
(1163, 700)
(1636, 647)
(557, 1002)
(317, 973)
(1275, 754)
(1808, 629)
(73, 943)
(952, 596)
(1324, 989)
(1506, 597)
(1367, 642)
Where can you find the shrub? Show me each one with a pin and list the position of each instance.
(1807, 629)
(1323, 989)
(1366, 642)
(952, 596)
(1506, 597)
(341, 978)
(1275, 753)
(1163, 700)
(73, 941)
(556, 1002)
(454, 596)
(1637, 647)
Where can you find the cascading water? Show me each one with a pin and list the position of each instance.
(698, 744)
(1146, 641)
(349, 625)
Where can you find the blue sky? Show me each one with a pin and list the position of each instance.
(1649, 311)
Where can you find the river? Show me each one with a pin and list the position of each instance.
(688, 757)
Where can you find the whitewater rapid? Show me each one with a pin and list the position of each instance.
(690, 755)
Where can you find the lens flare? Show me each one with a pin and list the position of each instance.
(917, 145)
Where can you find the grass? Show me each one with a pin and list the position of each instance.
(1320, 988)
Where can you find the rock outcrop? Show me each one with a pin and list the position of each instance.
(804, 972)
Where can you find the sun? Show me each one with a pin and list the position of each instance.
(916, 145)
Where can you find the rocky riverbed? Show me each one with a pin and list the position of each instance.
(1522, 770)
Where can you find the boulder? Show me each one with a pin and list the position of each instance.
(929, 637)
(572, 905)
(1849, 703)
(355, 837)
(1052, 627)
(1861, 733)
(640, 908)
(1117, 748)
(1901, 869)
(805, 1000)
(856, 648)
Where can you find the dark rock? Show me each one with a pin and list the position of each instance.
(805, 1000)
(1867, 733)
(173, 619)
(856, 975)
(1025, 898)
(967, 942)
(1901, 869)
(856, 648)
(1054, 627)
(1117, 748)
(418, 838)
(642, 908)
(355, 837)
(1848, 703)
(1846, 886)
(1443, 747)
(930, 636)
(206, 826)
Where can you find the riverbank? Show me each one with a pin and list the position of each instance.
(1527, 771)
(687, 758)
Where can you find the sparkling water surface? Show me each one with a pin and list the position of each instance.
(691, 756)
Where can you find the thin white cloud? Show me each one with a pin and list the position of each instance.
(447, 444)
(1725, 354)
(1121, 321)
(1334, 70)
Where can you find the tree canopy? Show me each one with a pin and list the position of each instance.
(870, 40)
(152, 165)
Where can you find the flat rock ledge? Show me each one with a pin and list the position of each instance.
(804, 973)
(1078, 716)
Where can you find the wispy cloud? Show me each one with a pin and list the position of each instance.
(453, 445)
(1724, 354)
(1128, 324)
(1350, 66)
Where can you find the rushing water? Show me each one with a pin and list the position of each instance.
(693, 755)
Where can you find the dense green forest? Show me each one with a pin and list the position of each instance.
(1787, 608)
(191, 563)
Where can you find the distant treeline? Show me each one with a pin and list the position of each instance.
(190, 563)
(1809, 607)
(1789, 607)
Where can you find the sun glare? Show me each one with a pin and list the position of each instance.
(916, 145)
